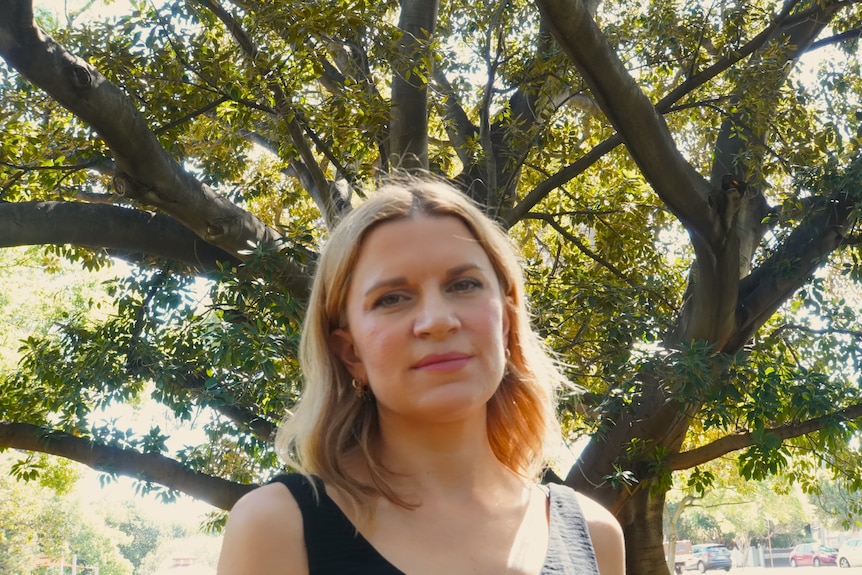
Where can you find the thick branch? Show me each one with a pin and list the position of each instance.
(458, 125)
(524, 101)
(742, 439)
(527, 105)
(715, 294)
(110, 227)
(664, 105)
(740, 137)
(142, 466)
(145, 171)
(629, 110)
(409, 132)
(763, 291)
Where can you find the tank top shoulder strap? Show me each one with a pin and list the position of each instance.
(570, 549)
(307, 496)
(333, 544)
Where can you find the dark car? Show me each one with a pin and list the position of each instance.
(813, 554)
(708, 556)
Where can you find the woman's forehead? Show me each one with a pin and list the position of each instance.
(419, 240)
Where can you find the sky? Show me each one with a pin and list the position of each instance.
(94, 8)
(149, 414)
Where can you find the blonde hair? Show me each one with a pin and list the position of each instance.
(330, 423)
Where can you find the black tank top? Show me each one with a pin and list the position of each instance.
(335, 547)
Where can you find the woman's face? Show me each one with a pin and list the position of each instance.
(426, 320)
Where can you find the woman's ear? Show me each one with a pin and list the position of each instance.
(342, 344)
(508, 312)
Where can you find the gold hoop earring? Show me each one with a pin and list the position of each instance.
(358, 388)
(508, 368)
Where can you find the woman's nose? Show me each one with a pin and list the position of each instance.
(435, 316)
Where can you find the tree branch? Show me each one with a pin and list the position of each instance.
(788, 326)
(637, 120)
(581, 246)
(793, 32)
(248, 419)
(664, 105)
(145, 171)
(320, 190)
(763, 291)
(524, 102)
(742, 439)
(192, 115)
(110, 227)
(529, 108)
(128, 462)
(493, 60)
(455, 119)
(725, 62)
(853, 34)
(560, 178)
(409, 127)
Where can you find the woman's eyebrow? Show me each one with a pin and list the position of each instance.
(400, 281)
(387, 283)
(458, 270)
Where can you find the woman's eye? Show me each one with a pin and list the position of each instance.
(466, 285)
(389, 300)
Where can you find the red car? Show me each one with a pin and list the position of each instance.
(813, 554)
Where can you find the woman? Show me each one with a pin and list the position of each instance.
(427, 404)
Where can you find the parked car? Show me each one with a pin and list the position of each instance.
(850, 553)
(707, 556)
(813, 554)
(681, 555)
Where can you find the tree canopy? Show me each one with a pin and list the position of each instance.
(682, 178)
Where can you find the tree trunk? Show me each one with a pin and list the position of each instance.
(644, 542)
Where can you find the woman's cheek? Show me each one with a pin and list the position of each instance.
(378, 344)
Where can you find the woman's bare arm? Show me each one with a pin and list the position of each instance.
(264, 535)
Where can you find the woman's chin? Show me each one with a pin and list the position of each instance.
(452, 403)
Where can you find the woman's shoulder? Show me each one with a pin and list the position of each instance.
(264, 534)
(606, 534)
(597, 514)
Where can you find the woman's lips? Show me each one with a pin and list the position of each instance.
(442, 362)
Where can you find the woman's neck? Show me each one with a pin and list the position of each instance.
(448, 458)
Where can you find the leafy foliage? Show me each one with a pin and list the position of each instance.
(37, 522)
(696, 333)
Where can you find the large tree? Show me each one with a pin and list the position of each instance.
(685, 198)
